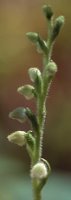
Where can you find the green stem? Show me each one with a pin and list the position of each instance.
(41, 114)
(36, 192)
(37, 196)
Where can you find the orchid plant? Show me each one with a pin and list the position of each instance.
(32, 139)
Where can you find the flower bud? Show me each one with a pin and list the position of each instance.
(19, 114)
(51, 68)
(33, 36)
(39, 171)
(18, 137)
(59, 22)
(27, 91)
(40, 43)
(34, 73)
(48, 11)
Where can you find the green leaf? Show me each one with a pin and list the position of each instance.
(18, 114)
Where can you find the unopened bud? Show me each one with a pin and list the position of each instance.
(59, 22)
(40, 43)
(33, 36)
(39, 171)
(18, 137)
(48, 11)
(34, 73)
(51, 68)
(18, 114)
(27, 91)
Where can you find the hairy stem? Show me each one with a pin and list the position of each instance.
(41, 115)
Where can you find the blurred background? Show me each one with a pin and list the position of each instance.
(17, 54)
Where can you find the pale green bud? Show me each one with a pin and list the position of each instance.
(59, 22)
(40, 43)
(39, 171)
(27, 91)
(33, 36)
(51, 68)
(18, 137)
(34, 73)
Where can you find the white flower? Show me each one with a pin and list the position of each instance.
(39, 171)
(18, 137)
